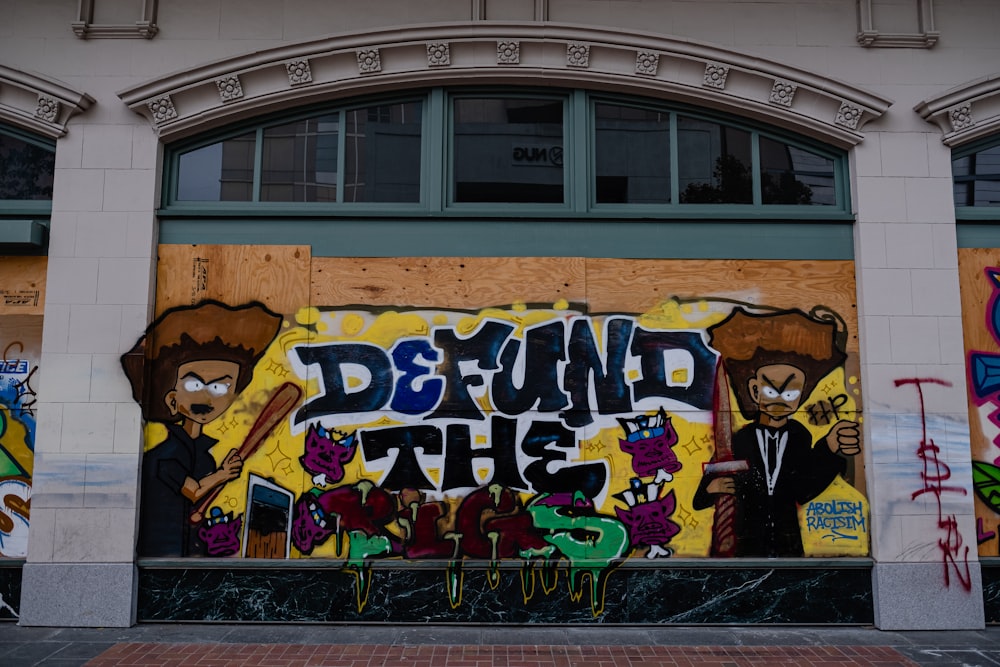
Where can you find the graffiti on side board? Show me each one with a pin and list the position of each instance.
(18, 375)
(984, 390)
(563, 441)
(954, 554)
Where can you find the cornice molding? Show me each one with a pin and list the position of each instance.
(817, 109)
(38, 104)
(965, 113)
(924, 38)
(144, 27)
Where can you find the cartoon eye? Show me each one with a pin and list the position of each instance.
(192, 384)
(218, 388)
(770, 392)
(790, 395)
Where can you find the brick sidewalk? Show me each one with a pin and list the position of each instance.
(362, 655)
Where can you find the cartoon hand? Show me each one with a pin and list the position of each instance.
(232, 465)
(722, 485)
(844, 438)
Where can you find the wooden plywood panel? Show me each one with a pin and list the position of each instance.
(637, 286)
(22, 285)
(977, 288)
(277, 276)
(447, 282)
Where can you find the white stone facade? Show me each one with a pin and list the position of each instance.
(799, 64)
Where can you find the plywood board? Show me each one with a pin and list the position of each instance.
(638, 286)
(22, 285)
(977, 289)
(447, 282)
(277, 276)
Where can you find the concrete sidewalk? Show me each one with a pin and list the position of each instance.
(477, 646)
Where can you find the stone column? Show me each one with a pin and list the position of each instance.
(80, 569)
(926, 573)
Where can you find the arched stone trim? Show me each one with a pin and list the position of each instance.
(38, 104)
(482, 53)
(965, 113)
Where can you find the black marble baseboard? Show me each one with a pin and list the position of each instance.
(683, 596)
(10, 591)
(991, 588)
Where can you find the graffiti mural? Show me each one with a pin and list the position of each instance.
(18, 381)
(22, 300)
(544, 435)
(980, 285)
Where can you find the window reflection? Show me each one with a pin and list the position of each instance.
(218, 172)
(299, 161)
(713, 163)
(977, 178)
(25, 170)
(382, 153)
(632, 155)
(790, 175)
(508, 150)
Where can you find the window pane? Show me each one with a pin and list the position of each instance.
(508, 150)
(790, 175)
(382, 153)
(299, 161)
(977, 178)
(632, 154)
(713, 163)
(219, 172)
(987, 171)
(25, 169)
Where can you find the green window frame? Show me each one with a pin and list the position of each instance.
(437, 193)
(972, 165)
(976, 225)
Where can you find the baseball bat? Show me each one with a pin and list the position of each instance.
(277, 408)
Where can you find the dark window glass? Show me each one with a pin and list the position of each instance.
(508, 150)
(714, 163)
(25, 170)
(299, 161)
(382, 153)
(790, 175)
(977, 178)
(219, 172)
(632, 155)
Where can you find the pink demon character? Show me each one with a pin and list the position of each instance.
(650, 441)
(326, 451)
(648, 517)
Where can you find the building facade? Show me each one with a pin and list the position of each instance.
(585, 311)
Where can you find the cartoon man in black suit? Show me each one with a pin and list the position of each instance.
(773, 362)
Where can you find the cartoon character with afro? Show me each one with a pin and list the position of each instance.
(773, 362)
(185, 371)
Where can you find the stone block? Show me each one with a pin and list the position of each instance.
(909, 246)
(94, 328)
(914, 596)
(78, 594)
(71, 280)
(885, 292)
(66, 377)
(124, 281)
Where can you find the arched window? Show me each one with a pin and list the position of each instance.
(568, 156)
(27, 164)
(976, 171)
